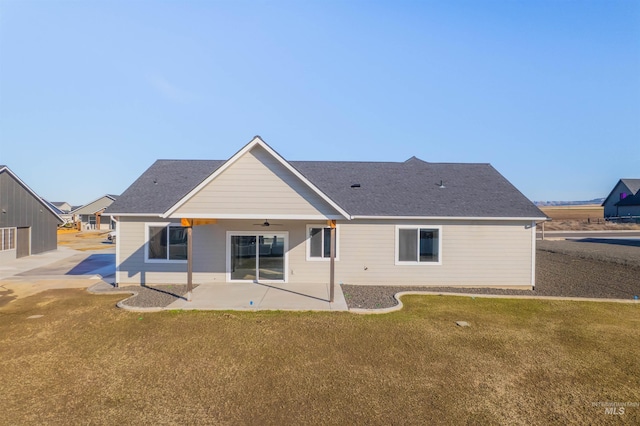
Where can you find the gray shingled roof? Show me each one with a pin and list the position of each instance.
(632, 184)
(410, 188)
(162, 185)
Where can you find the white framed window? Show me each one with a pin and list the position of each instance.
(319, 242)
(165, 243)
(419, 245)
(7, 239)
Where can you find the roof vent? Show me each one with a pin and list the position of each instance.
(355, 185)
(441, 185)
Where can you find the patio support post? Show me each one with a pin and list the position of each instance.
(332, 254)
(189, 261)
(189, 224)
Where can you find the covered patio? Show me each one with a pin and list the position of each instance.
(251, 296)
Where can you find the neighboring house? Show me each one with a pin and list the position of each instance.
(63, 209)
(63, 206)
(259, 217)
(623, 200)
(28, 224)
(90, 215)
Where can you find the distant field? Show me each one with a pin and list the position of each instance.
(591, 211)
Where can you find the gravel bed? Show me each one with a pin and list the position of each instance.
(563, 269)
(607, 269)
(151, 296)
(622, 252)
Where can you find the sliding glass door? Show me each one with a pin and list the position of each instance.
(243, 257)
(257, 257)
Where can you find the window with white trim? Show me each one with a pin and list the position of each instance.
(7, 239)
(319, 242)
(166, 243)
(418, 245)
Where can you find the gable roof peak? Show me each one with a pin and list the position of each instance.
(49, 206)
(256, 141)
(415, 160)
(632, 184)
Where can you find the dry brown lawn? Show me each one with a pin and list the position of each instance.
(520, 362)
(84, 240)
(581, 218)
(593, 212)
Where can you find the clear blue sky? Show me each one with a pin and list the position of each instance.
(92, 93)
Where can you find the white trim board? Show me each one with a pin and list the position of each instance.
(511, 219)
(253, 216)
(133, 214)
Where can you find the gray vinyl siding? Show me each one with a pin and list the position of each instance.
(256, 184)
(130, 256)
(474, 253)
(209, 253)
(19, 208)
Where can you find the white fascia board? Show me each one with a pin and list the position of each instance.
(133, 214)
(255, 141)
(538, 219)
(31, 191)
(254, 216)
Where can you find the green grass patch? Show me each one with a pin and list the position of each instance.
(520, 362)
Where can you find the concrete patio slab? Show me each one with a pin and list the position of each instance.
(260, 296)
(68, 268)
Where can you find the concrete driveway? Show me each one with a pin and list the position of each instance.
(62, 268)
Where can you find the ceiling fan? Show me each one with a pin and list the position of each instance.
(266, 224)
